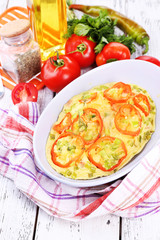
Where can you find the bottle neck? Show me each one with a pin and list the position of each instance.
(18, 40)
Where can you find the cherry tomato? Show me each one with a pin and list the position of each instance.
(107, 153)
(81, 49)
(128, 120)
(66, 149)
(112, 51)
(24, 92)
(141, 101)
(149, 59)
(89, 125)
(64, 124)
(58, 71)
(118, 93)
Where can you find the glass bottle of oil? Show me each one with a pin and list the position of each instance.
(49, 23)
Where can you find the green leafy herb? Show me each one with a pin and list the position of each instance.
(99, 29)
(70, 13)
(82, 29)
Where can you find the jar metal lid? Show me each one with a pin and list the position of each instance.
(14, 28)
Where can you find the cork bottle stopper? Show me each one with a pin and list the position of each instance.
(14, 28)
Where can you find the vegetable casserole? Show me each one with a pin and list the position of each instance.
(101, 130)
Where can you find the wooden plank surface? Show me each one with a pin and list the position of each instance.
(17, 212)
(98, 228)
(146, 228)
(21, 219)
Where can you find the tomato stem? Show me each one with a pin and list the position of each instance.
(57, 63)
(111, 60)
(80, 48)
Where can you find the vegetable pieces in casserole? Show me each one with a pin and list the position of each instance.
(128, 120)
(107, 153)
(89, 125)
(67, 148)
(101, 130)
(64, 124)
(118, 93)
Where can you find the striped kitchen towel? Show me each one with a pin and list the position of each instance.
(135, 195)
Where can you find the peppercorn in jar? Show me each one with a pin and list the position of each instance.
(19, 53)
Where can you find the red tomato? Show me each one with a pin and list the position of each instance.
(149, 59)
(112, 51)
(24, 92)
(81, 49)
(59, 71)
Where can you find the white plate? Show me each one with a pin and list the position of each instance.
(144, 74)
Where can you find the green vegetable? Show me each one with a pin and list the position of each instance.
(76, 167)
(127, 25)
(52, 136)
(67, 172)
(74, 175)
(82, 125)
(100, 29)
(90, 175)
(71, 148)
(147, 135)
(140, 139)
(70, 13)
(101, 87)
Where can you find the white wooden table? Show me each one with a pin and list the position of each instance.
(22, 219)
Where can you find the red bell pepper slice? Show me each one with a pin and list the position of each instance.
(64, 124)
(128, 120)
(118, 93)
(116, 106)
(66, 149)
(141, 101)
(89, 125)
(107, 153)
(88, 99)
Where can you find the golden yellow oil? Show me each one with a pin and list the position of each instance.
(49, 24)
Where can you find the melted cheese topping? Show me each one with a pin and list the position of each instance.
(83, 168)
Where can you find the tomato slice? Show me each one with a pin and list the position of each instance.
(66, 149)
(119, 92)
(64, 124)
(24, 92)
(128, 120)
(89, 125)
(88, 98)
(141, 101)
(38, 84)
(107, 153)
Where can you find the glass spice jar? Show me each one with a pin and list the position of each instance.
(19, 53)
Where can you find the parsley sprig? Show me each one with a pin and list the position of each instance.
(100, 30)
